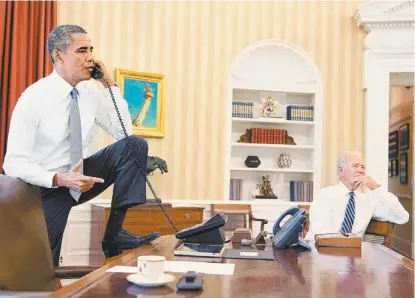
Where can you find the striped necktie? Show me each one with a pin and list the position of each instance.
(349, 217)
(75, 136)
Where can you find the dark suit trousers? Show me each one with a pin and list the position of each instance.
(115, 164)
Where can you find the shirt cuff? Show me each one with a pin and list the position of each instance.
(47, 180)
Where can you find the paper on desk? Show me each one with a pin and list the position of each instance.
(199, 267)
(123, 269)
(183, 267)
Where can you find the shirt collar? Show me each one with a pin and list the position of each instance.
(343, 189)
(60, 87)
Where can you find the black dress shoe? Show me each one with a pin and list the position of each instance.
(125, 240)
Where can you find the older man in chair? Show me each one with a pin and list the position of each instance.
(51, 128)
(348, 206)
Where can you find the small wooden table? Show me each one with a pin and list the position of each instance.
(147, 218)
(376, 272)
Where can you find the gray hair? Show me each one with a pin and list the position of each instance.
(60, 37)
(341, 162)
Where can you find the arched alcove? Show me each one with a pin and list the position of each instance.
(287, 73)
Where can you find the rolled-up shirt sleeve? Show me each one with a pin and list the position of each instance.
(388, 207)
(107, 116)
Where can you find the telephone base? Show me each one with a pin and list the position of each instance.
(214, 237)
(210, 232)
(301, 243)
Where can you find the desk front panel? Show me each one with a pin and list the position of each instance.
(141, 221)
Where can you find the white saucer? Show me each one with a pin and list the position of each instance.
(141, 281)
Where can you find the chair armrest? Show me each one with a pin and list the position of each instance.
(70, 272)
(379, 227)
(263, 220)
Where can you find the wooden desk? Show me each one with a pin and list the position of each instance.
(379, 272)
(144, 219)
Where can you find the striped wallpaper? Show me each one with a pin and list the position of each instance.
(194, 44)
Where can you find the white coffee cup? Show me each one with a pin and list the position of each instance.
(151, 267)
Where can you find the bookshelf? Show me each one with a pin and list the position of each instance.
(295, 85)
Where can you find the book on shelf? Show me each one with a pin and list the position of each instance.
(242, 109)
(235, 190)
(300, 113)
(301, 191)
(268, 136)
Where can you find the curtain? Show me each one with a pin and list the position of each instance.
(24, 27)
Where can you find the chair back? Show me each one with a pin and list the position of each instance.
(25, 255)
(238, 215)
(379, 232)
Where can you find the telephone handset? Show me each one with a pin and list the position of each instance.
(97, 75)
(287, 234)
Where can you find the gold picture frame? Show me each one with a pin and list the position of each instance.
(144, 93)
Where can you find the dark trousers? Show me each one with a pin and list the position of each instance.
(115, 164)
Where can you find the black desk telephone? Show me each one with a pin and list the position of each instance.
(210, 232)
(287, 235)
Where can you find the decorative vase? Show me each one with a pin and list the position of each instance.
(252, 161)
(284, 161)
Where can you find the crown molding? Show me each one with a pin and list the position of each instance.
(385, 14)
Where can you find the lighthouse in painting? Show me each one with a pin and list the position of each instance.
(148, 96)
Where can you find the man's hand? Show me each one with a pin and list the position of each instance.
(75, 180)
(366, 181)
(107, 76)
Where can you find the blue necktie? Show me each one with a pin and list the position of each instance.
(349, 217)
(75, 136)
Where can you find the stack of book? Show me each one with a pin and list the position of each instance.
(242, 109)
(235, 190)
(268, 136)
(301, 191)
(300, 113)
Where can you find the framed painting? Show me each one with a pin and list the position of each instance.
(144, 93)
(403, 168)
(393, 144)
(395, 167)
(404, 137)
(390, 170)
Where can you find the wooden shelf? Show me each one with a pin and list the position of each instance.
(270, 121)
(283, 146)
(283, 170)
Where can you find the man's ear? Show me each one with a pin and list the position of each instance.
(57, 57)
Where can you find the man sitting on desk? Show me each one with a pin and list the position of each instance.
(343, 208)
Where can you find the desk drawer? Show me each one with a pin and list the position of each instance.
(143, 221)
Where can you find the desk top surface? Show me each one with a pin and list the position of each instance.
(373, 271)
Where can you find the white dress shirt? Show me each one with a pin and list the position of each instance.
(38, 142)
(329, 207)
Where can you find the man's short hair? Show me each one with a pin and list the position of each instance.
(341, 162)
(60, 37)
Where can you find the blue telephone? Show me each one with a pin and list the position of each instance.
(287, 235)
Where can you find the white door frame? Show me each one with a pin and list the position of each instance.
(389, 48)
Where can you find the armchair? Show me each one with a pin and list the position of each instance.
(243, 211)
(25, 254)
